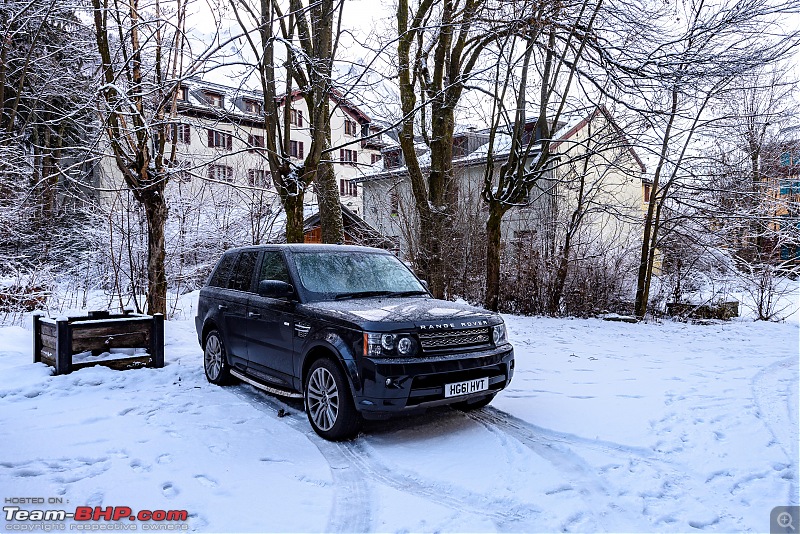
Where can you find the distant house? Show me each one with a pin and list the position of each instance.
(589, 150)
(780, 166)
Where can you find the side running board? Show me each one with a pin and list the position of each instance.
(268, 389)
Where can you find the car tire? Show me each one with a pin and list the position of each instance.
(477, 404)
(328, 402)
(215, 360)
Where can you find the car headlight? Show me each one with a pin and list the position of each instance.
(499, 334)
(385, 345)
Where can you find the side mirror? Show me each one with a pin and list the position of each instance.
(275, 289)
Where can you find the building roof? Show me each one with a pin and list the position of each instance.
(235, 97)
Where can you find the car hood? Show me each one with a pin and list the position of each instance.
(384, 314)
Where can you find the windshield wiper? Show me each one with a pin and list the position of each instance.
(361, 294)
(407, 293)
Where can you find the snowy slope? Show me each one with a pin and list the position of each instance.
(606, 427)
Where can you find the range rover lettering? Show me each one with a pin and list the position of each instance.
(349, 329)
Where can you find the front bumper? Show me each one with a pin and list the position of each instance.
(416, 384)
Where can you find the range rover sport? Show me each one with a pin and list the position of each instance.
(349, 329)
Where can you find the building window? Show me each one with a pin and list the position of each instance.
(220, 139)
(786, 159)
(259, 178)
(220, 173)
(375, 158)
(790, 187)
(214, 99)
(296, 117)
(647, 192)
(394, 203)
(348, 188)
(391, 159)
(296, 149)
(255, 142)
(252, 106)
(348, 157)
(181, 133)
(350, 128)
(183, 94)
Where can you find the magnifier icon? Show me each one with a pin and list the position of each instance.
(785, 520)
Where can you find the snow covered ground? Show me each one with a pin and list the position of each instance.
(606, 427)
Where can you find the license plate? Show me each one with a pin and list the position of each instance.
(465, 388)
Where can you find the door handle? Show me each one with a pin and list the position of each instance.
(222, 307)
(253, 314)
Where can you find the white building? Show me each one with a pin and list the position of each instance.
(219, 137)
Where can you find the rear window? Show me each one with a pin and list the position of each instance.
(242, 276)
(220, 276)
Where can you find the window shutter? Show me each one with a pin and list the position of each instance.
(355, 189)
(300, 118)
(210, 138)
(229, 141)
(300, 149)
(187, 134)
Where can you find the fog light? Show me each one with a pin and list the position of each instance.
(388, 382)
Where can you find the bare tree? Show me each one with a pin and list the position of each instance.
(305, 33)
(542, 48)
(141, 64)
(670, 67)
(439, 47)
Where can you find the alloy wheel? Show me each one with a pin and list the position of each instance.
(323, 399)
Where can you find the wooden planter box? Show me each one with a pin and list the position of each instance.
(56, 341)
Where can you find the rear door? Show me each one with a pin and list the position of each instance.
(232, 306)
(270, 326)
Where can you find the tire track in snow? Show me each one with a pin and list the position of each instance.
(353, 466)
(505, 513)
(352, 499)
(556, 448)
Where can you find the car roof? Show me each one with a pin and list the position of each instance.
(310, 247)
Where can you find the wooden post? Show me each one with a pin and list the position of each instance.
(63, 347)
(37, 337)
(157, 341)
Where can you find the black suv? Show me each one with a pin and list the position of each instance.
(349, 329)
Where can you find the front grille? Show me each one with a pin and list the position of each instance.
(448, 339)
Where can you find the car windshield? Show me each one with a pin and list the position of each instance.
(349, 274)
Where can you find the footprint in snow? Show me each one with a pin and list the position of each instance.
(205, 481)
(169, 490)
(164, 459)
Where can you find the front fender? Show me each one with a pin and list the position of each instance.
(343, 346)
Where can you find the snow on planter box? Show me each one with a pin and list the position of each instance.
(119, 341)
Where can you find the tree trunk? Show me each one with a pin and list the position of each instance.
(293, 205)
(330, 209)
(493, 237)
(156, 211)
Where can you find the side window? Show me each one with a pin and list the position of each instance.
(243, 272)
(273, 267)
(222, 272)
